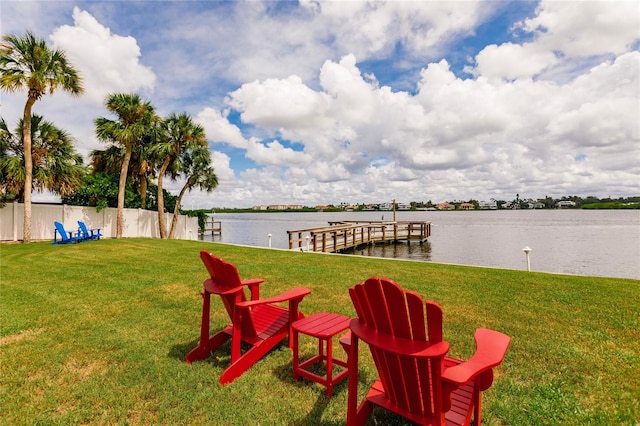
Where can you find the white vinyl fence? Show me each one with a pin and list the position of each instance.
(137, 222)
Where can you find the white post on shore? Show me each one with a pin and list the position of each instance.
(526, 251)
(308, 237)
(269, 240)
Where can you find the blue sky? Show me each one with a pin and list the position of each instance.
(327, 102)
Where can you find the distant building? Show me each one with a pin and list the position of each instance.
(467, 206)
(284, 207)
(488, 205)
(277, 207)
(445, 206)
(566, 204)
(511, 205)
(260, 207)
(404, 206)
(536, 205)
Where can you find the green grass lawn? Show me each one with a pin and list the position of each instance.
(96, 333)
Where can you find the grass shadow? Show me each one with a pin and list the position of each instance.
(316, 413)
(285, 373)
(181, 350)
(220, 357)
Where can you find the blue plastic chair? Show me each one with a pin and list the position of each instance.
(65, 237)
(88, 234)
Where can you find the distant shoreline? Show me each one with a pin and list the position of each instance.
(634, 206)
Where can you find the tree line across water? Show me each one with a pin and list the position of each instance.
(142, 148)
(590, 202)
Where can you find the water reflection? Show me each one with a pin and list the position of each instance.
(412, 250)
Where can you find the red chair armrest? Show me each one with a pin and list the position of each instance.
(345, 340)
(253, 285)
(491, 347)
(398, 345)
(296, 293)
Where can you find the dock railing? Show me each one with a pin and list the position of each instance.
(344, 235)
(213, 226)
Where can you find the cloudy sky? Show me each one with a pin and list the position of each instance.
(315, 102)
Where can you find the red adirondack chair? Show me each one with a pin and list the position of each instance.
(259, 322)
(417, 381)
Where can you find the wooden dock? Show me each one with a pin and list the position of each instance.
(213, 226)
(339, 236)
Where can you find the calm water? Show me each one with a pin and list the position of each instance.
(582, 242)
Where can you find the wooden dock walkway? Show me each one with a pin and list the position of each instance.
(339, 236)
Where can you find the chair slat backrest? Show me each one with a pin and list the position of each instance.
(63, 233)
(410, 383)
(226, 275)
(83, 229)
(67, 237)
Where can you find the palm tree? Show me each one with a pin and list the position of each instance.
(5, 144)
(143, 173)
(110, 161)
(179, 133)
(28, 63)
(135, 117)
(197, 169)
(56, 165)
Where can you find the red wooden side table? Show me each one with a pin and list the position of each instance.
(323, 326)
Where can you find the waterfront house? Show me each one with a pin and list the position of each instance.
(445, 206)
(467, 206)
(284, 207)
(488, 205)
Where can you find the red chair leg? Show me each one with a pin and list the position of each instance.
(293, 343)
(294, 315)
(477, 405)
(203, 350)
(352, 397)
(249, 358)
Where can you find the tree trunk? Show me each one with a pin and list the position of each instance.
(142, 178)
(121, 191)
(163, 170)
(28, 167)
(176, 210)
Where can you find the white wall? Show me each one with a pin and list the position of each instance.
(137, 222)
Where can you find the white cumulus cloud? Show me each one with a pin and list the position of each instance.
(109, 63)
